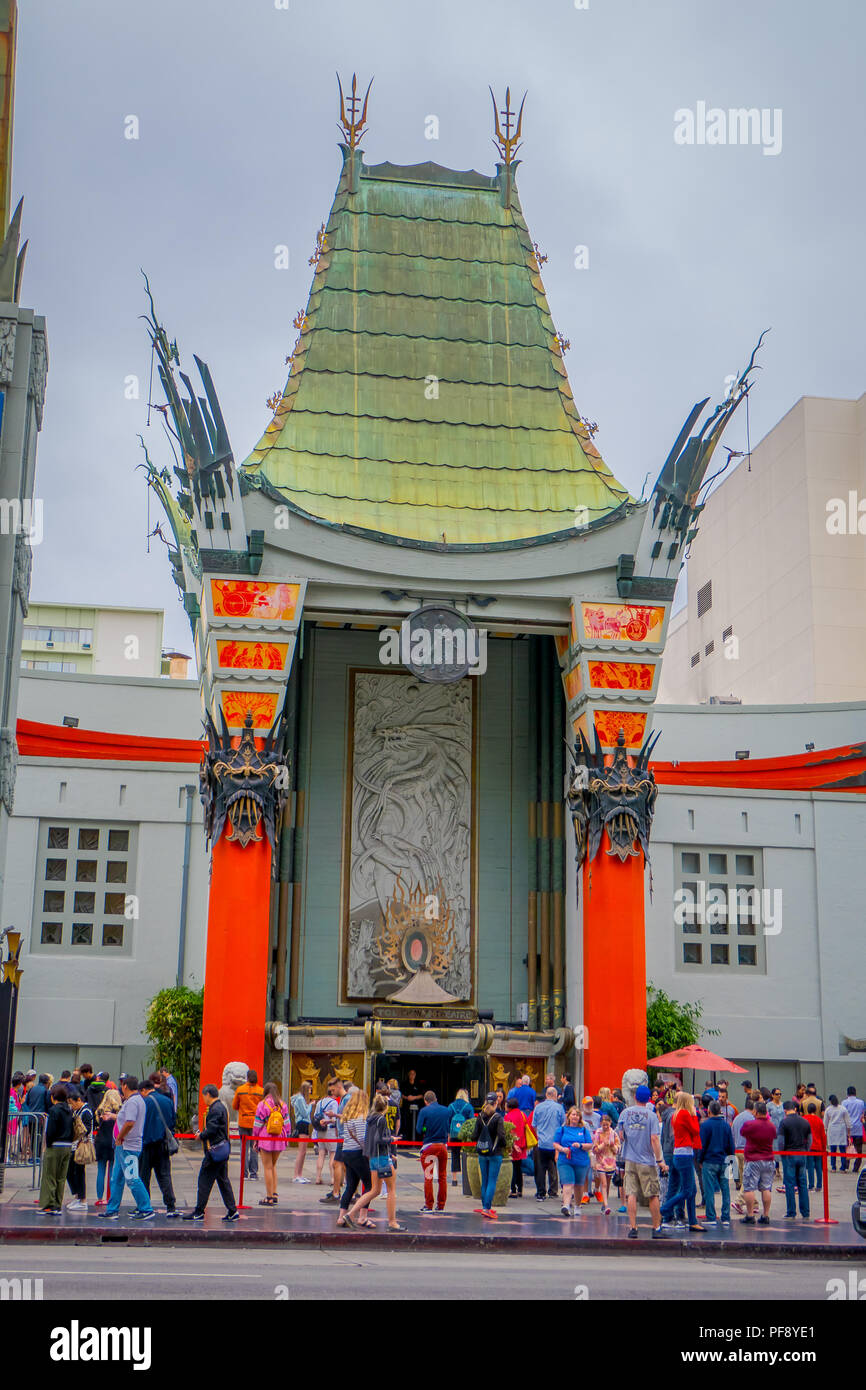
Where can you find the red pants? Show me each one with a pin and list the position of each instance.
(431, 1155)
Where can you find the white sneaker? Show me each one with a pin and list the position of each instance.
(76, 1205)
(300, 1179)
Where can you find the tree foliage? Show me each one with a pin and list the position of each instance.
(173, 1023)
(670, 1024)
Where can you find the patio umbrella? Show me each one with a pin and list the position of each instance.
(696, 1057)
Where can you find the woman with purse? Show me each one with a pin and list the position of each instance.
(215, 1163)
(83, 1151)
(270, 1130)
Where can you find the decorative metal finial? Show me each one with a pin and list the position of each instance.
(506, 142)
(351, 127)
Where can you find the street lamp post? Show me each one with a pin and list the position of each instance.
(10, 980)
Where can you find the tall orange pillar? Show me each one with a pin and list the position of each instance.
(614, 967)
(236, 964)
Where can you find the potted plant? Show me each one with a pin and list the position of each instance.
(472, 1168)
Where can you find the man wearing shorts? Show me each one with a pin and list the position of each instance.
(639, 1131)
(758, 1136)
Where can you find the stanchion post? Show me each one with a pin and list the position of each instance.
(826, 1219)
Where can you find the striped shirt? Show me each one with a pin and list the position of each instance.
(353, 1135)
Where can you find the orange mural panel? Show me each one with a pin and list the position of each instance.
(253, 656)
(247, 598)
(262, 704)
(621, 675)
(608, 723)
(562, 645)
(614, 622)
(573, 683)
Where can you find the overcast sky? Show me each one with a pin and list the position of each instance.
(693, 249)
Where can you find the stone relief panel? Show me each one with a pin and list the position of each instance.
(409, 873)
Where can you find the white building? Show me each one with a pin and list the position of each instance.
(777, 571)
(103, 640)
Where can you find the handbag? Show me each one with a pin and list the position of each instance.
(530, 1139)
(85, 1151)
(171, 1144)
(220, 1152)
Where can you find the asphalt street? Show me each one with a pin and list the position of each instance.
(80, 1274)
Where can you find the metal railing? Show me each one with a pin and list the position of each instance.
(25, 1142)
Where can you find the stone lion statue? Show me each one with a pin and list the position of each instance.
(631, 1079)
(234, 1074)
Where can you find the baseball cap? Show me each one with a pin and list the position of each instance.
(587, 1100)
(642, 1094)
(492, 1098)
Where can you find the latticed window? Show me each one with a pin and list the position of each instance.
(84, 874)
(722, 912)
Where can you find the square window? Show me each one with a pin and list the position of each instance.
(746, 929)
(112, 935)
(55, 870)
(115, 871)
(51, 933)
(82, 933)
(691, 862)
(53, 900)
(747, 902)
(718, 863)
(687, 909)
(85, 871)
(115, 902)
(691, 928)
(84, 902)
(745, 864)
(718, 955)
(691, 953)
(88, 837)
(118, 840)
(58, 837)
(747, 955)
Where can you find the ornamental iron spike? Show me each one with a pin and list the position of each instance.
(350, 125)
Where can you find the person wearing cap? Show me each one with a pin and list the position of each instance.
(639, 1132)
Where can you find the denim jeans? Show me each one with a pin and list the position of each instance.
(813, 1169)
(103, 1165)
(834, 1150)
(794, 1177)
(714, 1180)
(489, 1173)
(125, 1173)
(681, 1188)
(251, 1154)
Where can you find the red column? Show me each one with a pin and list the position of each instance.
(236, 968)
(614, 968)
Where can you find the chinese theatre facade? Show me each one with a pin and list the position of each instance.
(429, 625)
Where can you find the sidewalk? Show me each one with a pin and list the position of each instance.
(526, 1223)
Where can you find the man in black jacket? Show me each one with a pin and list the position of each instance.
(214, 1165)
(58, 1151)
(796, 1137)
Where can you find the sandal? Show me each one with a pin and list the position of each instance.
(268, 1202)
(398, 1227)
(348, 1222)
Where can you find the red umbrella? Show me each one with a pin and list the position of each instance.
(698, 1058)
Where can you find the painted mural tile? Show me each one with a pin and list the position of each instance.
(573, 683)
(608, 723)
(621, 675)
(254, 656)
(615, 622)
(236, 703)
(248, 598)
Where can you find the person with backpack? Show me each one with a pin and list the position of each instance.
(378, 1149)
(302, 1114)
(489, 1137)
(460, 1111)
(83, 1151)
(247, 1098)
(270, 1130)
(324, 1127)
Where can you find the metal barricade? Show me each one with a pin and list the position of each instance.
(25, 1142)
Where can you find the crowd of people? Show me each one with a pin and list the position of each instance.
(668, 1149)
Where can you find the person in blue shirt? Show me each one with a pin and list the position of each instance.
(155, 1159)
(548, 1117)
(572, 1143)
(523, 1096)
(433, 1126)
(460, 1111)
(717, 1141)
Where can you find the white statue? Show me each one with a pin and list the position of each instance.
(631, 1079)
(234, 1075)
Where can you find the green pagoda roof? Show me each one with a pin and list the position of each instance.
(427, 398)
